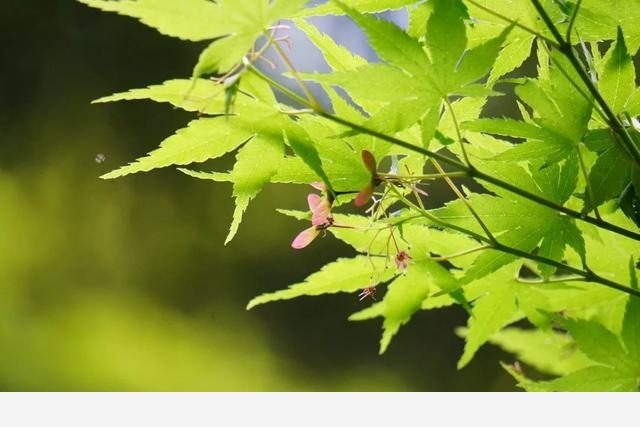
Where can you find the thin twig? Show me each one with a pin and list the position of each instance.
(461, 253)
(591, 194)
(584, 94)
(587, 274)
(559, 279)
(392, 177)
(471, 171)
(425, 213)
(464, 200)
(457, 127)
(294, 72)
(567, 49)
(572, 21)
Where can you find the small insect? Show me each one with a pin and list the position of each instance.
(100, 158)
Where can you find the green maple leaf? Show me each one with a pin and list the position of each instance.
(341, 160)
(193, 20)
(418, 17)
(408, 291)
(518, 44)
(609, 176)
(424, 242)
(513, 220)
(604, 252)
(560, 120)
(367, 238)
(363, 6)
(607, 311)
(516, 223)
(499, 300)
(305, 149)
(409, 70)
(339, 58)
(612, 171)
(262, 160)
(405, 56)
(405, 296)
(201, 140)
(258, 128)
(371, 86)
(206, 138)
(256, 162)
(234, 25)
(616, 359)
(447, 51)
(548, 351)
(600, 19)
(343, 275)
(250, 19)
(203, 96)
(618, 79)
(454, 64)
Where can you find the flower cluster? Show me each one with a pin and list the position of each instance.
(402, 260)
(367, 292)
(321, 219)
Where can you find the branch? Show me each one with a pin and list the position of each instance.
(628, 144)
(586, 274)
(572, 21)
(471, 171)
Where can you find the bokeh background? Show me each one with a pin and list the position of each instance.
(125, 284)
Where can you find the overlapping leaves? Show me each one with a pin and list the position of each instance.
(429, 89)
(614, 359)
(415, 78)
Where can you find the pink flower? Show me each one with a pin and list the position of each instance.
(402, 260)
(368, 292)
(305, 237)
(321, 219)
(365, 194)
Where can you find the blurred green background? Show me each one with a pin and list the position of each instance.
(126, 284)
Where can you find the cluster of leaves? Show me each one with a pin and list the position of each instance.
(542, 256)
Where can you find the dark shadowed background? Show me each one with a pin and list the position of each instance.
(125, 284)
